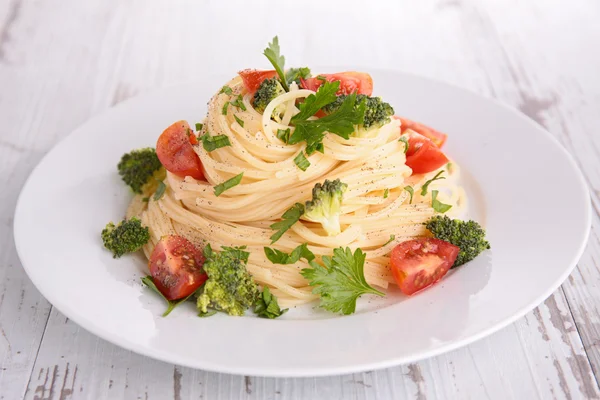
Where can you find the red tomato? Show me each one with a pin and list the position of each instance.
(350, 82)
(423, 156)
(176, 267)
(419, 263)
(175, 151)
(253, 78)
(438, 138)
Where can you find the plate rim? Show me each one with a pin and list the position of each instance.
(172, 358)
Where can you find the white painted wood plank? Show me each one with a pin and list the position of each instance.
(116, 50)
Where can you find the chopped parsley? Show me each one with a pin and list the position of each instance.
(279, 257)
(289, 218)
(227, 90)
(283, 135)
(228, 184)
(160, 191)
(435, 178)
(438, 205)
(410, 190)
(301, 161)
(266, 305)
(386, 193)
(239, 103)
(404, 140)
(239, 121)
(211, 143)
(224, 111)
(199, 126)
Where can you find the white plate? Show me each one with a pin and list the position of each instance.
(523, 187)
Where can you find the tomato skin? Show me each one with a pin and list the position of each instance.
(253, 78)
(438, 138)
(350, 82)
(175, 151)
(419, 263)
(176, 267)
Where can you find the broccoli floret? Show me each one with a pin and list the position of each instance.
(126, 237)
(137, 167)
(267, 91)
(377, 111)
(230, 287)
(326, 205)
(469, 236)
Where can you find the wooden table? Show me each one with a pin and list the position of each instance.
(61, 62)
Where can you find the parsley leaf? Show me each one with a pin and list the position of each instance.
(312, 104)
(160, 191)
(228, 184)
(410, 190)
(386, 193)
(341, 282)
(283, 135)
(199, 126)
(341, 122)
(211, 143)
(239, 103)
(294, 74)
(171, 304)
(301, 161)
(239, 121)
(438, 205)
(404, 140)
(227, 90)
(435, 178)
(224, 111)
(277, 60)
(289, 218)
(279, 257)
(266, 305)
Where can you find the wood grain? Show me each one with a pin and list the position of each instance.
(64, 61)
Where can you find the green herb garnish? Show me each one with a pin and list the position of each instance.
(289, 218)
(228, 184)
(277, 60)
(301, 161)
(438, 205)
(160, 191)
(435, 178)
(410, 190)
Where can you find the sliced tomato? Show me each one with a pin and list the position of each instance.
(419, 263)
(253, 78)
(438, 138)
(176, 267)
(350, 82)
(423, 156)
(175, 151)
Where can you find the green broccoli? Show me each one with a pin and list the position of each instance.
(377, 111)
(126, 237)
(326, 205)
(267, 91)
(138, 167)
(469, 236)
(230, 287)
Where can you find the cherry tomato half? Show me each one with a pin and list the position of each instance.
(438, 138)
(419, 263)
(350, 82)
(175, 151)
(423, 156)
(176, 267)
